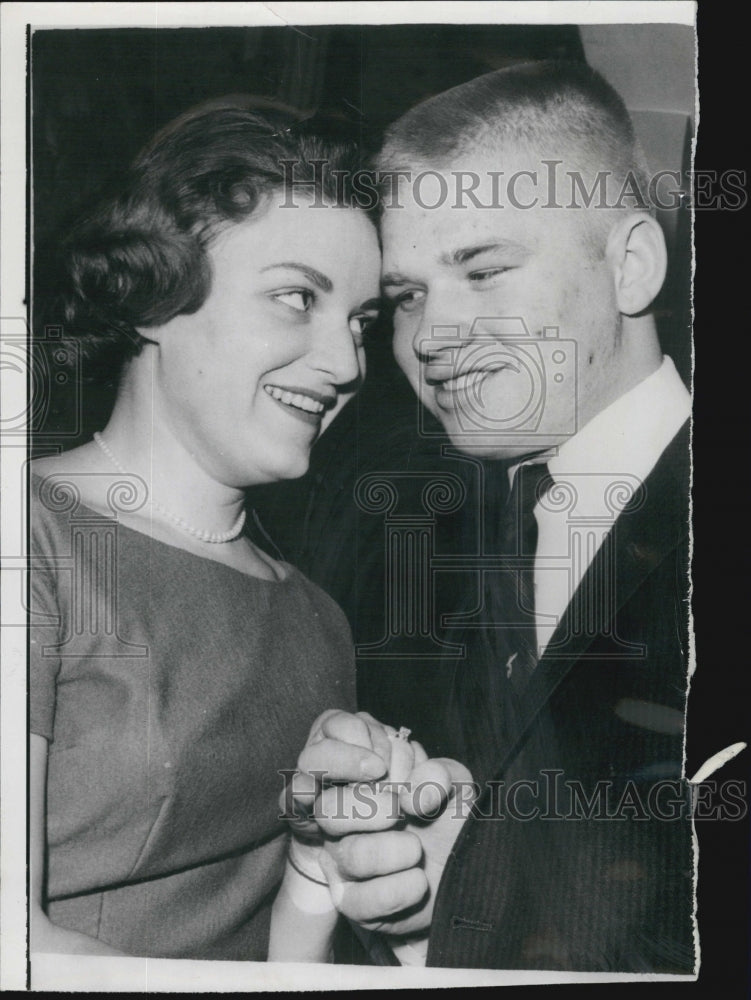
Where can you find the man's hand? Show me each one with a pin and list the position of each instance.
(387, 880)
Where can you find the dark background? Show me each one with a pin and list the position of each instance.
(97, 96)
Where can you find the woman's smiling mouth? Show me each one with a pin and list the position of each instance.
(306, 404)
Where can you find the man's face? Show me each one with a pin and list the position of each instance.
(505, 319)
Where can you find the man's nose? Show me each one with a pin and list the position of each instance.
(439, 341)
(443, 327)
(436, 339)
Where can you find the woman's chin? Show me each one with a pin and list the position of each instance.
(274, 473)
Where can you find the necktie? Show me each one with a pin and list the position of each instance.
(487, 691)
(531, 482)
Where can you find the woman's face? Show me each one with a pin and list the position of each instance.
(249, 381)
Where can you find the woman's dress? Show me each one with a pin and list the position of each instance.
(173, 691)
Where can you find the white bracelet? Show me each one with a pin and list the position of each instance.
(307, 895)
(304, 859)
(298, 869)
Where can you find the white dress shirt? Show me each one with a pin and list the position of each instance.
(595, 474)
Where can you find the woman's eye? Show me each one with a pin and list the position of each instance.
(359, 325)
(408, 301)
(299, 299)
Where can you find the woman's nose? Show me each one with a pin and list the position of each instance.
(337, 354)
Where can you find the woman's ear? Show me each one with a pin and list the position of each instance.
(149, 335)
(153, 334)
(638, 256)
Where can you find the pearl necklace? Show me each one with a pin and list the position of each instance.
(215, 537)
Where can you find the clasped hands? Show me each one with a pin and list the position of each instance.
(379, 817)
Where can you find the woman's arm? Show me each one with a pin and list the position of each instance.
(303, 918)
(46, 936)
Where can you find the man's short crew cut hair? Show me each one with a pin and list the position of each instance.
(557, 109)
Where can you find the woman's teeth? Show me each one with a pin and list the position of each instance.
(295, 399)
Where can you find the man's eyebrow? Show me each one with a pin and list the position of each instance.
(463, 254)
(373, 304)
(324, 283)
(460, 256)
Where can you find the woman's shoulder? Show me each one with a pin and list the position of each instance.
(74, 470)
(77, 461)
(76, 476)
(59, 487)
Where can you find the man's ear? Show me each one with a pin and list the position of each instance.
(638, 256)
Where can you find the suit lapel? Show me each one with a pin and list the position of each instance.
(649, 528)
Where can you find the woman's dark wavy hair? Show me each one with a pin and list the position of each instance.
(141, 257)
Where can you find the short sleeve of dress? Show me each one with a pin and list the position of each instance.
(44, 614)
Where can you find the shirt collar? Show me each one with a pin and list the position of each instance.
(629, 436)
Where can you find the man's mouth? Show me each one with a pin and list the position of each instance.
(307, 404)
(445, 380)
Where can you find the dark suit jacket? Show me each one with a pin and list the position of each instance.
(588, 894)
(611, 890)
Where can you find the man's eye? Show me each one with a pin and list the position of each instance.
(408, 301)
(299, 299)
(477, 277)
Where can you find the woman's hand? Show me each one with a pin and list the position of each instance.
(341, 748)
(382, 845)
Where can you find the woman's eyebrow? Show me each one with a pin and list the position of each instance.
(324, 283)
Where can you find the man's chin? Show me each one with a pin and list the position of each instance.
(501, 447)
